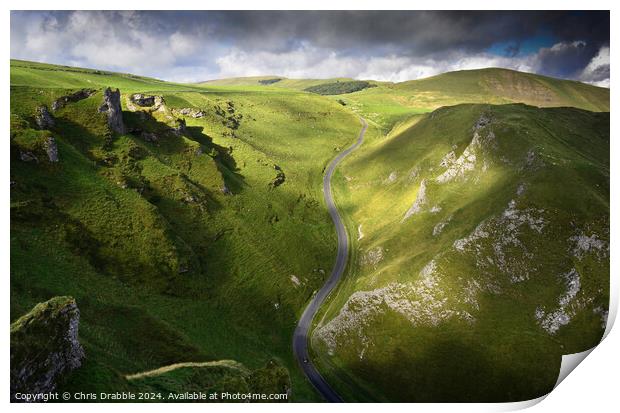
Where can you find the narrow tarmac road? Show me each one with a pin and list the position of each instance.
(300, 337)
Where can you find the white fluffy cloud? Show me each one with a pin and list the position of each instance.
(310, 62)
(113, 41)
(597, 71)
(167, 48)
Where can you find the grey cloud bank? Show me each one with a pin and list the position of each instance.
(393, 46)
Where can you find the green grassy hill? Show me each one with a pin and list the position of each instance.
(176, 246)
(389, 104)
(495, 85)
(482, 238)
(386, 104)
(481, 255)
(480, 228)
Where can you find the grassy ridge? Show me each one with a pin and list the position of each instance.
(495, 85)
(165, 265)
(540, 180)
(390, 103)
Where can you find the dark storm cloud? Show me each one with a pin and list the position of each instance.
(384, 44)
(419, 32)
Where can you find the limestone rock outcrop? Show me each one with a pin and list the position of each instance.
(45, 347)
(194, 113)
(51, 149)
(142, 100)
(27, 156)
(112, 107)
(150, 102)
(43, 118)
(73, 97)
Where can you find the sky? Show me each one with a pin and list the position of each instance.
(192, 46)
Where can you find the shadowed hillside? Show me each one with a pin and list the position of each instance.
(188, 222)
(482, 255)
(174, 237)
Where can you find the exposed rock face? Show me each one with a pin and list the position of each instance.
(44, 146)
(279, 179)
(419, 202)
(373, 257)
(422, 302)
(552, 321)
(45, 346)
(438, 228)
(27, 156)
(508, 254)
(295, 280)
(143, 100)
(194, 113)
(51, 148)
(471, 156)
(74, 97)
(483, 121)
(391, 178)
(112, 106)
(152, 102)
(43, 118)
(230, 118)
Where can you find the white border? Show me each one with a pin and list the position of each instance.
(591, 387)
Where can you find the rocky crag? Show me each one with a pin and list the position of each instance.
(112, 107)
(45, 347)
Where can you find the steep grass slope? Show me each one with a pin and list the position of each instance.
(495, 85)
(388, 103)
(481, 255)
(198, 235)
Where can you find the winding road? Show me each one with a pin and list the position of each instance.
(300, 337)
